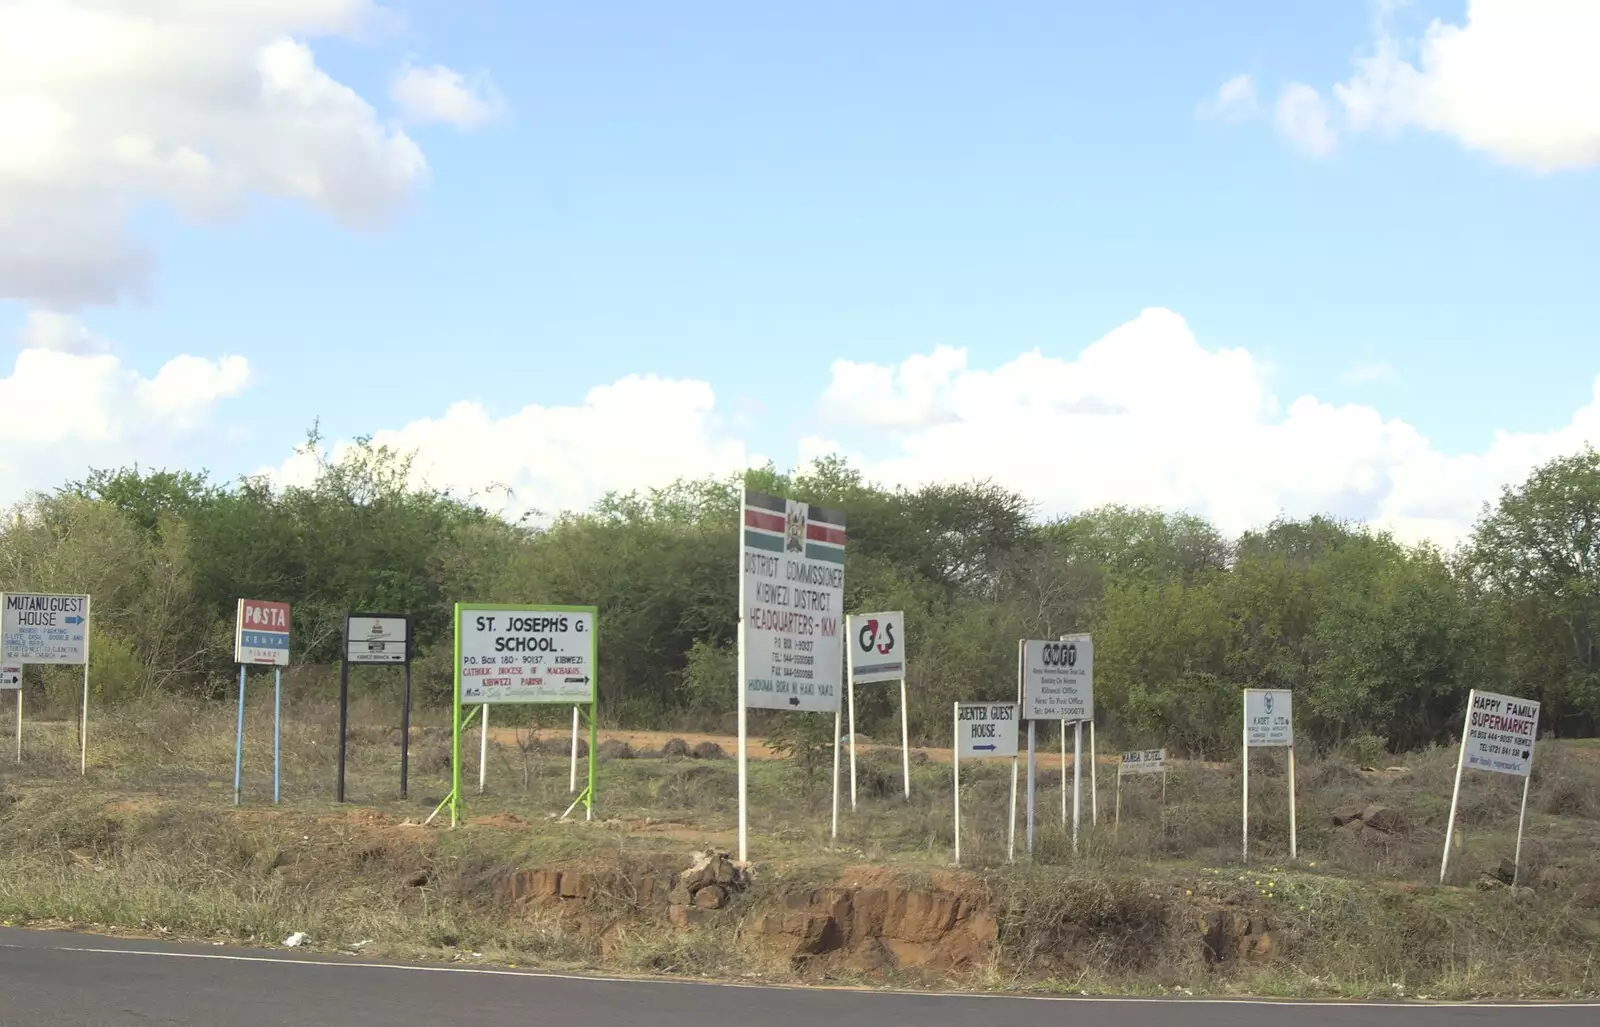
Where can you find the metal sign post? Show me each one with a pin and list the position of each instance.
(1055, 681)
(876, 653)
(1268, 724)
(791, 645)
(1497, 735)
(523, 653)
(375, 639)
(261, 637)
(11, 680)
(1144, 761)
(41, 627)
(985, 731)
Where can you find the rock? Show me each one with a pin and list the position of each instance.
(1232, 936)
(1346, 814)
(708, 751)
(675, 749)
(690, 916)
(1553, 877)
(1489, 882)
(712, 896)
(1506, 871)
(1382, 818)
(295, 940)
(725, 873)
(1522, 893)
(614, 749)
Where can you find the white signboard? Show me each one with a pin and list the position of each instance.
(37, 628)
(791, 596)
(1500, 733)
(985, 730)
(1145, 761)
(1058, 679)
(1268, 718)
(879, 647)
(373, 638)
(525, 654)
(11, 676)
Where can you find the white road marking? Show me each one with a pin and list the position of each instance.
(547, 975)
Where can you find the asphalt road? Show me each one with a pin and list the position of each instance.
(50, 979)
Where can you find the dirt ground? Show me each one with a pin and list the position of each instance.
(755, 748)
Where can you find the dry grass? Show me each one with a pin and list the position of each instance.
(150, 841)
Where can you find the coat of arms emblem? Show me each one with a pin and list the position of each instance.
(794, 529)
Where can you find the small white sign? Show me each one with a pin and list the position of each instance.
(1057, 679)
(11, 676)
(1500, 733)
(371, 638)
(878, 647)
(40, 628)
(985, 730)
(525, 654)
(1144, 761)
(1268, 718)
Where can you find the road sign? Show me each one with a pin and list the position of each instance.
(985, 730)
(1058, 679)
(792, 601)
(261, 633)
(41, 628)
(1500, 733)
(525, 654)
(880, 647)
(376, 638)
(1145, 761)
(1268, 718)
(11, 676)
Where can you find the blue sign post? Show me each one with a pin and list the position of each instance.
(261, 636)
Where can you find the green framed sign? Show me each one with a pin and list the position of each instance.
(523, 653)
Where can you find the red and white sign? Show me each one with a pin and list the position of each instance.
(261, 634)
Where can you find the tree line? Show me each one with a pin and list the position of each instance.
(1379, 640)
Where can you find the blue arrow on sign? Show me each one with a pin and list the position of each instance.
(984, 748)
(74, 620)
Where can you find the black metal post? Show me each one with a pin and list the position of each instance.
(344, 714)
(405, 729)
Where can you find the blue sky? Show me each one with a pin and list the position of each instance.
(740, 195)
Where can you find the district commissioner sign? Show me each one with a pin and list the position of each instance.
(791, 603)
(38, 628)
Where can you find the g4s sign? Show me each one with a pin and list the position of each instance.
(879, 652)
(868, 637)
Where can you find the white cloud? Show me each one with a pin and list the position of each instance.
(1145, 415)
(1303, 117)
(70, 404)
(200, 104)
(440, 94)
(1148, 415)
(1235, 100)
(46, 329)
(1519, 80)
(635, 433)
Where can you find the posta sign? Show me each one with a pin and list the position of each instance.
(261, 634)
